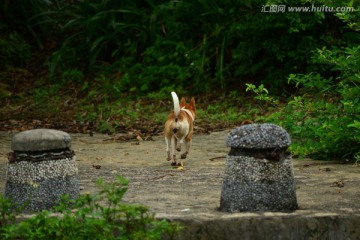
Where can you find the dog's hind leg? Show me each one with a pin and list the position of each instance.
(168, 142)
(187, 148)
(178, 144)
(173, 145)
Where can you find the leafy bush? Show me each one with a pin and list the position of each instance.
(213, 44)
(29, 19)
(141, 47)
(14, 50)
(324, 120)
(327, 123)
(72, 76)
(103, 216)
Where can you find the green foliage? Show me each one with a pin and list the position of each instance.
(4, 92)
(262, 94)
(151, 44)
(28, 18)
(46, 99)
(154, 44)
(103, 216)
(321, 126)
(324, 120)
(72, 76)
(14, 50)
(7, 214)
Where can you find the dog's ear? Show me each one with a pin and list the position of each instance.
(182, 102)
(192, 102)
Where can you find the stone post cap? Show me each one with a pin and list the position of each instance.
(258, 136)
(40, 140)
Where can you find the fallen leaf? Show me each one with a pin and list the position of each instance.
(180, 166)
(96, 166)
(340, 183)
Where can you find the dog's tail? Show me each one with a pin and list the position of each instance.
(176, 105)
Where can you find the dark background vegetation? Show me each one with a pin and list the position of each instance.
(109, 65)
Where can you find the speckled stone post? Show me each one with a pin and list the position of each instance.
(258, 172)
(41, 169)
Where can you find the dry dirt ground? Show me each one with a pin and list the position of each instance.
(321, 186)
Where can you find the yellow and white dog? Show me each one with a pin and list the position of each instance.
(179, 127)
